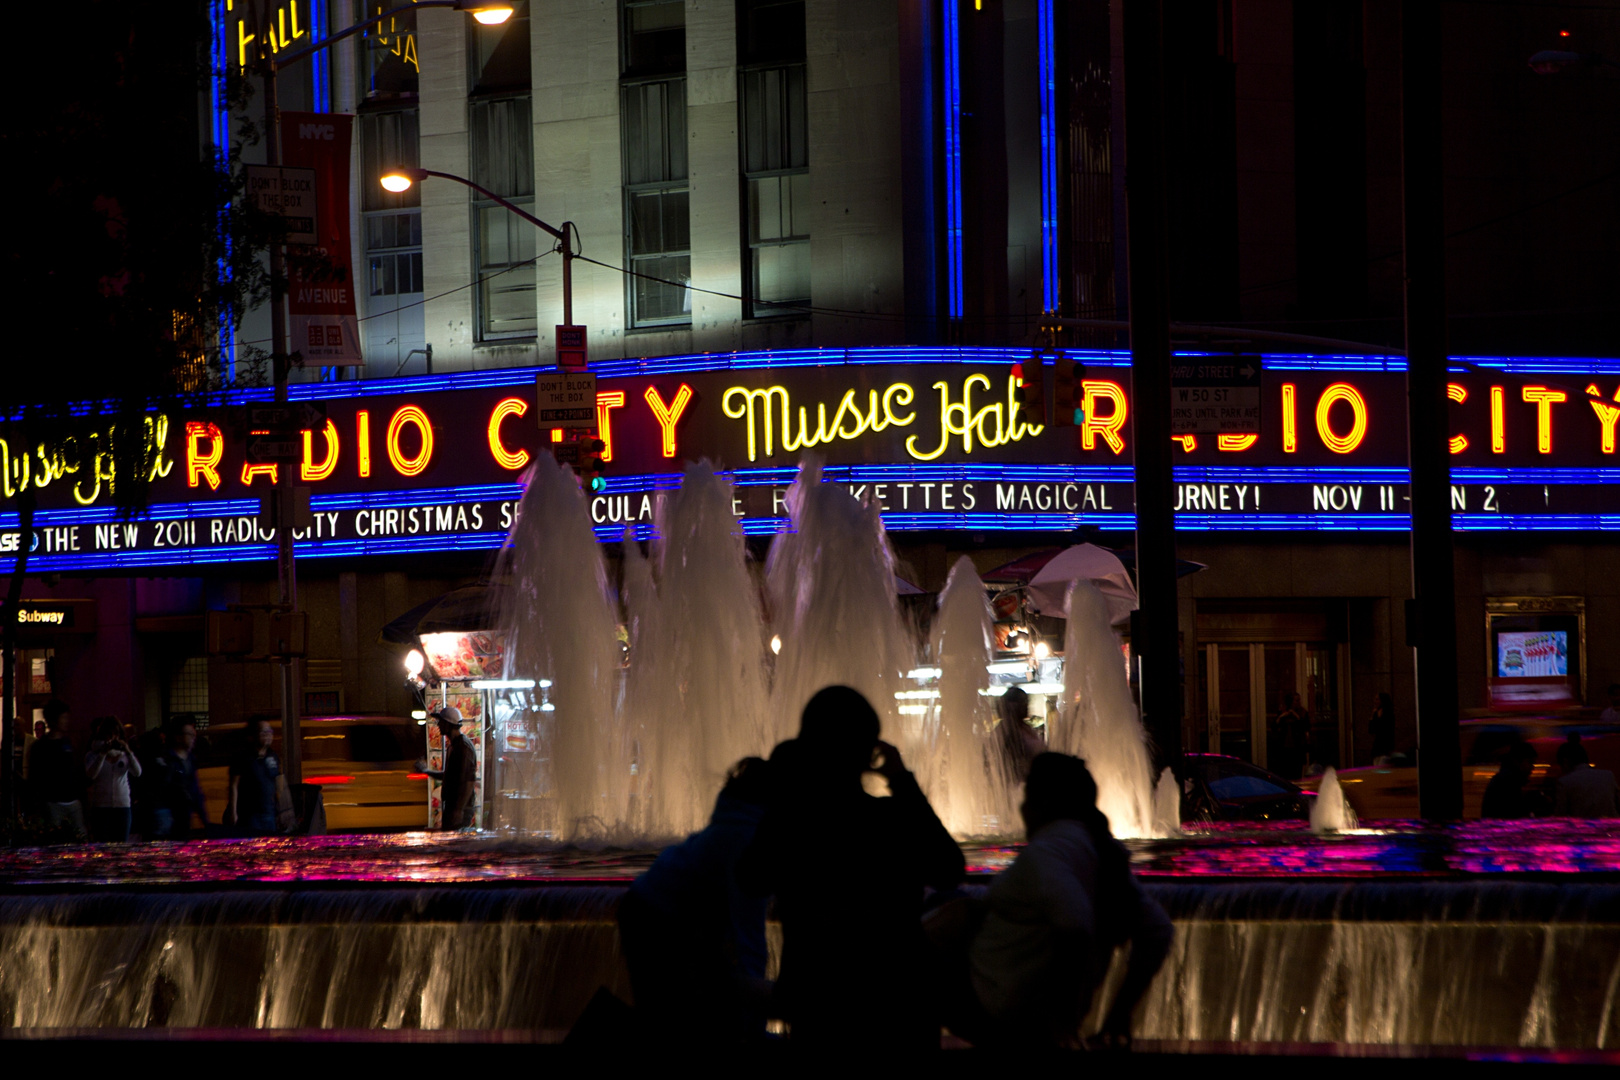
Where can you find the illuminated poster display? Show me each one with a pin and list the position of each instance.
(934, 437)
(1525, 655)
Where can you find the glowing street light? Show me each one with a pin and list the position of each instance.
(401, 180)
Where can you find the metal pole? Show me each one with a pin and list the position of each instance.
(1156, 642)
(568, 272)
(292, 763)
(1432, 615)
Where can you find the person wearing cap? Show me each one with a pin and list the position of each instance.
(460, 773)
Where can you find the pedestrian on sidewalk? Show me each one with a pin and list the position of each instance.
(109, 767)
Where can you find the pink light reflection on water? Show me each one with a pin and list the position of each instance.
(1272, 850)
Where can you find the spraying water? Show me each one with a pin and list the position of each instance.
(559, 626)
(634, 755)
(957, 764)
(830, 580)
(1331, 812)
(1100, 721)
(1167, 805)
(696, 699)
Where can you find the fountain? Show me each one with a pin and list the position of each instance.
(957, 761)
(1331, 812)
(1099, 720)
(1390, 934)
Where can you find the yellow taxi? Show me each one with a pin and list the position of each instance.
(364, 765)
(1391, 791)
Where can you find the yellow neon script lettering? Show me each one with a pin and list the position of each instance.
(757, 408)
(989, 425)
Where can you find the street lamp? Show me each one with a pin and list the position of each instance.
(488, 14)
(401, 180)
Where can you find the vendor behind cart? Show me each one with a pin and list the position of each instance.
(460, 775)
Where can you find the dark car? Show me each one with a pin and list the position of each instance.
(1215, 787)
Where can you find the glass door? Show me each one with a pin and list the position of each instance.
(1227, 681)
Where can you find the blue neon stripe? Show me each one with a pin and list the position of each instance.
(1049, 166)
(953, 158)
(503, 378)
(320, 62)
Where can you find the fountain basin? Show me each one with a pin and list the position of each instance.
(1476, 935)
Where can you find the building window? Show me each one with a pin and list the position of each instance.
(658, 243)
(776, 177)
(654, 37)
(394, 325)
(504, 248)
(388, 64)
(498, 56)
(394, 253)
(188, 692)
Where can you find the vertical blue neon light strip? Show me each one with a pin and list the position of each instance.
(221, 135)
(321, 72)
(1049, 167)
(953, 157)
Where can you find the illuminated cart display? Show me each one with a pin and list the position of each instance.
(500, 716)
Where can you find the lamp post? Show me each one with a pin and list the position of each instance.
(401, 180)
(489, 14)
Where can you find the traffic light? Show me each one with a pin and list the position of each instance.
(1068, 396)
(593, 467)
(1031, 379)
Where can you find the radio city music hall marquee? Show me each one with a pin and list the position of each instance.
(934, 437)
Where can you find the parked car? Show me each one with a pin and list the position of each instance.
(1391, 790)
(365, 766)
(1215, 787)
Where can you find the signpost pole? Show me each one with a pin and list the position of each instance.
(286, 573)
(1155, 645)
(1432, 615)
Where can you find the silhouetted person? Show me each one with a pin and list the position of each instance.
(1056, 915)
(1289, 745)
(251, 803)
(171, 785)
(1018, 742)
(460, 773)
(1381, 725)
(1584, 791)
(693, 940)
(56, 773)
(109, 766)
(1505, 796)
(848, 871)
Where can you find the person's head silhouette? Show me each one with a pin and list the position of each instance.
(838, 731)
(1059, 787)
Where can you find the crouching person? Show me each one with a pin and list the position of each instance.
(693, 941)
(1054, 917)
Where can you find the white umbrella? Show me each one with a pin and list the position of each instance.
(1049, 589)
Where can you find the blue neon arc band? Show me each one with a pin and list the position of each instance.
(960, 472)
(894, 521)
